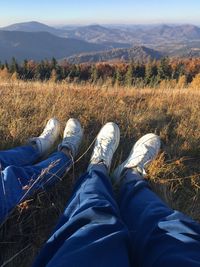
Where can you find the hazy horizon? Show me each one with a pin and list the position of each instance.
(60, 25)
(64, 12)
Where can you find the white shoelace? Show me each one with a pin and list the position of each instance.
(47, 134)
(102, 151)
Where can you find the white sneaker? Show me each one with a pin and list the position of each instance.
(142, 153)
(72, 137)
(106, 144)
(48, 137)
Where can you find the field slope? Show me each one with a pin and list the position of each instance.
(174, 175)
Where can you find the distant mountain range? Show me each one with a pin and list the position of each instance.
(140, 53)
(34, 40)
(44, 45)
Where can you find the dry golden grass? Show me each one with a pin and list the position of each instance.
(174, 175)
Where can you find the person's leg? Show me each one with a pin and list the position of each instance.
(30, 153)
(19, 156)
(18, 183)
(160, 236)
(90, 232)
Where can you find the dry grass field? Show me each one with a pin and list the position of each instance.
(174, 175)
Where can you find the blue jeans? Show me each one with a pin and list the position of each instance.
(21, 177)
(140, 230)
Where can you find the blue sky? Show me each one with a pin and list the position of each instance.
(100, 11)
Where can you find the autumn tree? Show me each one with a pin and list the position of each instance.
(151, 73)
(13, 67)
(164, 69)
(129, 75)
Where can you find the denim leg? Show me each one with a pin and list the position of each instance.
(19, 156)
(160, 236)
(19, 183)
(90, 232)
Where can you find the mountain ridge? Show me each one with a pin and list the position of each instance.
(137, 53)
(41, 45)
(131, 33)
(170, 40)
(31, 26)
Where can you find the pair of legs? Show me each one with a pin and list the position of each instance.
(136, 230)
(21, 177)
(95, 230)
(139, 230)
(21, 172)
